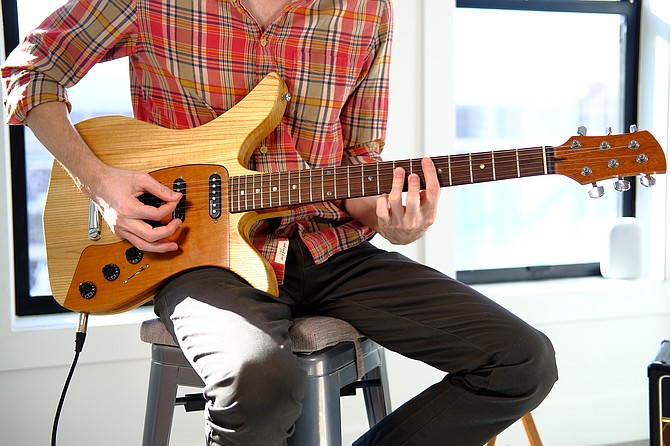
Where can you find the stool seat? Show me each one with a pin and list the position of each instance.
(334, 355)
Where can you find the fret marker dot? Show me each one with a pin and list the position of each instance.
(294, 187)
(482, 166)
(370, 178)
(258, 191)
(274, 189)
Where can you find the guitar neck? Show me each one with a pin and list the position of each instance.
(292, 188)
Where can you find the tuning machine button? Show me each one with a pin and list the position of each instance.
(647, 180)
(87, 290)
(597, 191)
(622, 185)
(581, 130)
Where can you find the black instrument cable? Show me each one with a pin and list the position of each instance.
(80, 337)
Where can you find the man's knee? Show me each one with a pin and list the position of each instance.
(530, 370)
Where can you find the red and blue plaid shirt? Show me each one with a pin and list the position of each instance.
(190, 61)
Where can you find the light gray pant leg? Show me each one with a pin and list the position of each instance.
(237, 340)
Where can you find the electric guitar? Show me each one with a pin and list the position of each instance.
(93, 271)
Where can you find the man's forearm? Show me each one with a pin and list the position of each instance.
(52, 126)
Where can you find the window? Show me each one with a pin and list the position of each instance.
(529, 73)
(592, 48)
(103, 91)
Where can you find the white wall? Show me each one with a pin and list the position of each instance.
(605, 332)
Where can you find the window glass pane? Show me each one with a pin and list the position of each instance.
(103, 91)
(526, 79)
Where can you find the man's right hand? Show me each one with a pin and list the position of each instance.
(117, 197)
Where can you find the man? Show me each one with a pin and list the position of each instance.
(191, 61)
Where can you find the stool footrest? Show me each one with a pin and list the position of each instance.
(350, 389)
(191, 402)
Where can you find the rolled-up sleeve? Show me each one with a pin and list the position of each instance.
(60, 51)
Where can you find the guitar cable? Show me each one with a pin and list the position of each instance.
(80, 337)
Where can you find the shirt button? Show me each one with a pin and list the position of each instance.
(264, 149)
(264, 41)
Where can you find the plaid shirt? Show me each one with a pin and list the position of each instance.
(190, 61)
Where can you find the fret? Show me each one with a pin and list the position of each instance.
(451, 180)
(518, 165)
(348, 181)
(299, 185)
(262, 191)
(493, 164)
(311, 190)
(289, 186)
(253, 191)
(238, 197)
(472, 178)
(245, 193)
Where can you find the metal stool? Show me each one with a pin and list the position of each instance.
(336, 358)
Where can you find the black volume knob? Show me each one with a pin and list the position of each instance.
(111, 272)
(87, 290)
(134, 255)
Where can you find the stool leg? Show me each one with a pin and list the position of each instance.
(320, 421)
(160, 404)
(531, 430)
(377, 398)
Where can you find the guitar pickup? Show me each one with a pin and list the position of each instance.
(179, 185)
(215, 196)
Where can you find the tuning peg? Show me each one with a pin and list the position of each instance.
(647, 180)
(633, 128)
(608, 131)
(597, 191)
(622, 185)
(581, 130)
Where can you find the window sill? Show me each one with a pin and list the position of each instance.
(581, 299)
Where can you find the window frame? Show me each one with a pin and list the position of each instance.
(25, 304)
(631, 10)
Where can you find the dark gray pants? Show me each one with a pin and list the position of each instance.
(497, 367)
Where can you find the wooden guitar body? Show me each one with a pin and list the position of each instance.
(223, 145)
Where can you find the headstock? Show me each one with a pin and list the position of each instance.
(589, 159)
